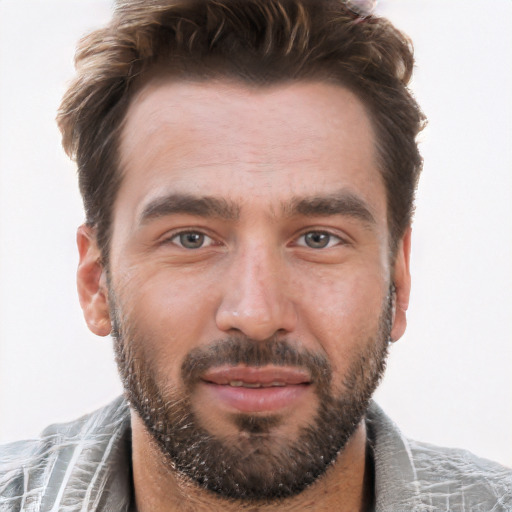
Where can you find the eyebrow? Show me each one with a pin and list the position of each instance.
(341, 203)
(202, 206)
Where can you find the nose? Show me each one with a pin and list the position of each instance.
(255, 297)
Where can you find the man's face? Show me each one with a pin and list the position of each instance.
(249, 277)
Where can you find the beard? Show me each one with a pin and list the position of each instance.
(256, 464)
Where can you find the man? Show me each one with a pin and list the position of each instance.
(248, 172)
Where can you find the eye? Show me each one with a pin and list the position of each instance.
(318, 240)
(191, 240)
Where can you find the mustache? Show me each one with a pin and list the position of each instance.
(240, 350)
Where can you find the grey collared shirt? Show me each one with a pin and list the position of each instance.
(86, 466)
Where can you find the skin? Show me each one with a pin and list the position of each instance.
(261, 150)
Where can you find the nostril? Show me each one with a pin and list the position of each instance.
(257, 325)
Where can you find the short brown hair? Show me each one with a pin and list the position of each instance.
(260, 42)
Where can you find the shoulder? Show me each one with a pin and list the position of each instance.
(37, 468)
(416, 476)
(462, 472)
(14, 457)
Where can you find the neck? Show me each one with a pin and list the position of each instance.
(346, 485)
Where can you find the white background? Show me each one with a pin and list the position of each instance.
(449, 380)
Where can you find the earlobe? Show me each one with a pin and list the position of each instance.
(91, 283)
(402, 282)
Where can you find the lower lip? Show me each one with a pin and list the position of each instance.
(257, 399)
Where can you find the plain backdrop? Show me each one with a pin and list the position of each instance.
(449, 379)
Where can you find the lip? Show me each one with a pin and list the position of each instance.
(251, 374)
(281, 387)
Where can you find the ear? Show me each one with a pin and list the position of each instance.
(92, 283)
(402, 281)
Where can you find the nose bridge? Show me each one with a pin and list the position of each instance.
(259, 276)
(255, 299)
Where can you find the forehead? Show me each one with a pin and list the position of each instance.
(246, 143)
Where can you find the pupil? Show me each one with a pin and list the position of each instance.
(317, 240)
(192, 240)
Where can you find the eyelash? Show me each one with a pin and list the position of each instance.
(338, 240)
(174, 236)
(332, 236)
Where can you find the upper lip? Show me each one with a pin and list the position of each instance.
(261, 375)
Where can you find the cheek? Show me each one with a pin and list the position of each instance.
(342, 312)
(167, 299)
(167, 318)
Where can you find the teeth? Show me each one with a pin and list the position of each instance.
(251, 385)
(254, 385)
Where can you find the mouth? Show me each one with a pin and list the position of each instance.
(255, 385)
(256, 389)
